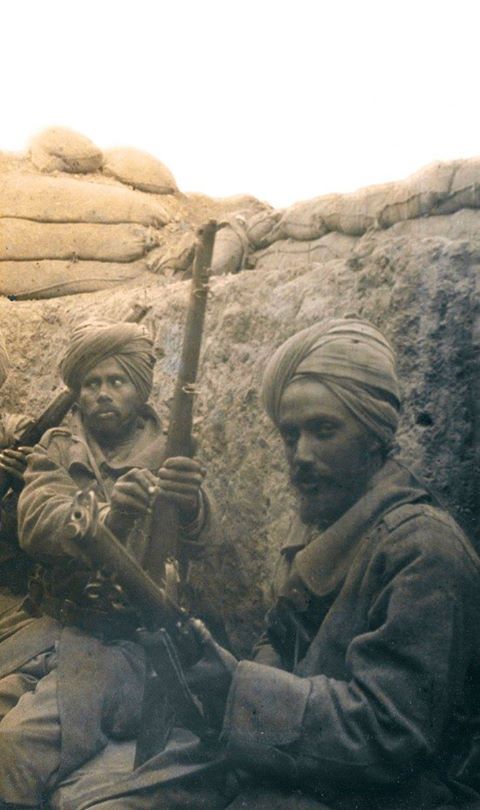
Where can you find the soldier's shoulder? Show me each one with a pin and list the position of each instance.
(400, 515)
(56, 435)
(432, 531)
(11, 427)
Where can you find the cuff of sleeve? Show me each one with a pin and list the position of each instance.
(265, 706)
(264, 714)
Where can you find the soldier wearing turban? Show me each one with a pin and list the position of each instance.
(361, 692)
(3, 361)
(14, 564)
(73, 677)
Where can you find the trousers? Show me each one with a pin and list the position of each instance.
(62, 707)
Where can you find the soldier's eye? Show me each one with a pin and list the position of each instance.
(289, 436)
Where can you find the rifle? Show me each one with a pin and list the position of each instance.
(56, 411)
(167, 626)
(163, 524)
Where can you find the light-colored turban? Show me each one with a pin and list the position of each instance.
(353, 359)
(94, 341)
(4, 361)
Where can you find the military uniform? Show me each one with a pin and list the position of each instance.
(362, 694)
(88, 656)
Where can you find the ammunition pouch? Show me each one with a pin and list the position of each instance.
(101, 624)
(104, 621)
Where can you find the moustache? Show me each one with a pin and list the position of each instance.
(310, 476)
(105, 409)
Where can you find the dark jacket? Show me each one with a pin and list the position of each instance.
(375, 646)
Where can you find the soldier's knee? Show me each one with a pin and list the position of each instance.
(24, 773)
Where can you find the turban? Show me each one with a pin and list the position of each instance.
(94, 341)
(353, 359)
(4, 362)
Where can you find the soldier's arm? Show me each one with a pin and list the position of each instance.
(405, 672)
(45, 503)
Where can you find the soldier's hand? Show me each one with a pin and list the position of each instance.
(14, 462)
(179, 480)
(211, 677)
(131, 496)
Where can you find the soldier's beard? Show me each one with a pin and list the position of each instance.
(324, 498)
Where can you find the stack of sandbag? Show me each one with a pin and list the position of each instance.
(441, 188)
(327, 227)
(67, 227)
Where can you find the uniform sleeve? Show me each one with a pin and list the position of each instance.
(11, 426)
(406, 671)
(202, 536)
(45, 503)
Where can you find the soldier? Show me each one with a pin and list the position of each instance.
(15, 565)
(82, 670)
(361, 695)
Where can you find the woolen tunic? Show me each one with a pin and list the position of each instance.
(378, 709)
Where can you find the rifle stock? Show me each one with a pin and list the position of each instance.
(56, 410)
(164, 521)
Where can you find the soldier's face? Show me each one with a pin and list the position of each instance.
(108, 400)
(329, 452)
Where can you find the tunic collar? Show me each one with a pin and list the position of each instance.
(145, 449)
(322, 559)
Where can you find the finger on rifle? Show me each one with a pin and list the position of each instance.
(168, 488)
(185, 463)
(15, 455)
(12, 468)
(166, 475)
(130, 495)
(142, 478)
(201, 631)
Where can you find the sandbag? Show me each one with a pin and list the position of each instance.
(61, 149)
(139, 169)
(260, 228)
(177, 259)
(351, 214)
(304, 221)
(465, 187)
(419, 195)
(51, 278)
(27, 239)
(229, 251)
(68, 199)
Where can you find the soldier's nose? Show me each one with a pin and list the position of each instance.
(304, 450)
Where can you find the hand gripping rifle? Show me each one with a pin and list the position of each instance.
(164, 524)
(167, 632)
(56, 411)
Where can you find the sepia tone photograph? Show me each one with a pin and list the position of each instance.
(239, 428)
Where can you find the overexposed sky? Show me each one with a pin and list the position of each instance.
(284, 100)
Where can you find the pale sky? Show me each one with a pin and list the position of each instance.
(285, 100)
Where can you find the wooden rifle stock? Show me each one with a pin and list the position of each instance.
(164, 521)
(56, 410)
